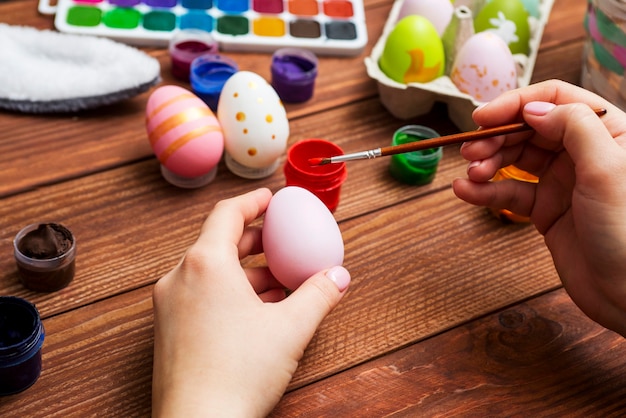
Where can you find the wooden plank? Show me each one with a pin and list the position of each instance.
(422, 267)
(419, 268)
(540, 358)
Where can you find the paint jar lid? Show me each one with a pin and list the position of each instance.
(294, 71)
(325, 175)
(21, 338)
(208, 74)
(418, 167)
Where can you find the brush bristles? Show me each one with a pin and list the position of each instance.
(319, 161)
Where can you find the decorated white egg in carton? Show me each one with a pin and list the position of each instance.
(412, 99)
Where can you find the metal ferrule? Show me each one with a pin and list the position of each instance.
(363, 155)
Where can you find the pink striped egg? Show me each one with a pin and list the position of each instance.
(184, 134)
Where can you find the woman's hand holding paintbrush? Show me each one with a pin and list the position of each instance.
(429, 143)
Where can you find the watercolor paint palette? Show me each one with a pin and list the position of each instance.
(331, 27)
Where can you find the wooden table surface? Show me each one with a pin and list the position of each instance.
(451, 312)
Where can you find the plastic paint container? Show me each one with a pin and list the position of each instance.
(208, 75)
(604, 51)
(418, 167)
(293, 74)
(324, 181)
(187, 45)
(21, 338)
(44, 254)
(512, 173)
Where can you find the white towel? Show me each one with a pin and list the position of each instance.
(43, 71)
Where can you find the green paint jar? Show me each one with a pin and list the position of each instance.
(417, 167)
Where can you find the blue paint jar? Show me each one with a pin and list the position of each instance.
(208, 74)
(21, 338)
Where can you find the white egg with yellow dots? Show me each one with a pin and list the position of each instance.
(254, 123)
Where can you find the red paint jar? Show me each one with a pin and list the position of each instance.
(324, 181)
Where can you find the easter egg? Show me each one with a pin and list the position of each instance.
(532, 7)
(300, 236)
(509, 19)
(484, 67)
(184, 134)
(438, 12)
(413, 51)
(254, 121)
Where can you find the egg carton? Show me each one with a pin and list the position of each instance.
(406, 101)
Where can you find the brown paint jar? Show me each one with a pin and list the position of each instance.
(44, 254)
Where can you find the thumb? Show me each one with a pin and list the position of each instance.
(317, 296)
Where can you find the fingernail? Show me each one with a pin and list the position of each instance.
(340, 276)
(480, 106)
(539, 108)
(472, 165)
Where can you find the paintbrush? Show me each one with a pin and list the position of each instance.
(425, 144)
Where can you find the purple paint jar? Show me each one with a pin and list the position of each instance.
(187, 45)
(21, 338)
(293, 74)
(209, 73)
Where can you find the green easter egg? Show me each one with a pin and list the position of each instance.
(413, 51)
(509, 19)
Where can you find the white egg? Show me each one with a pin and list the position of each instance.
(484, 67)
(300, 236)
(253, 120)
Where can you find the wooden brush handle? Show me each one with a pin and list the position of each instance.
(461, 137)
